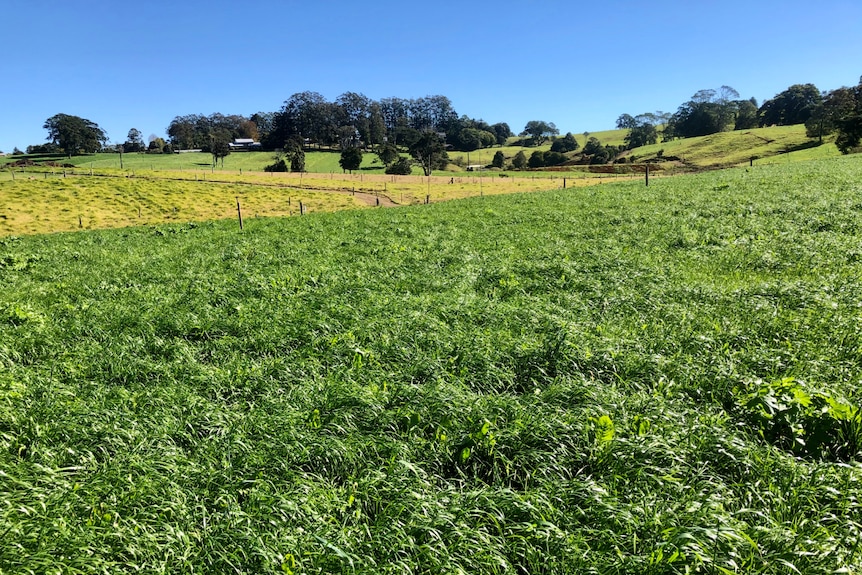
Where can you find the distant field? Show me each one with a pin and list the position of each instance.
(769, 145)
(39, 201)
(782, 143)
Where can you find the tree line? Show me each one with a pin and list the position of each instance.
(711, 111)
(308, 120)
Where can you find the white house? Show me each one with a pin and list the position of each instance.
(240, 144)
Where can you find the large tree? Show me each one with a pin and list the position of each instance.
(540, 131)
(134, 141)
(836, 105)
(429, 151)
(75, 135)
(220, 145)
(850, 124)
(565, 144)
(351, 159)
(641, 135)
(792, 106)
(708, 111)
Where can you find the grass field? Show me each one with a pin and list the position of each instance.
(609, 379)
(39, 201)
(767, 145)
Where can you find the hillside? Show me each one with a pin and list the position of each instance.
(726, 149)
(613, 379)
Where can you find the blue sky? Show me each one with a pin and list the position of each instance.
(578, 64)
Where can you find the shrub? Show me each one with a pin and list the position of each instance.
(519, 162)
(401, 167)
(279, 166)
(552, 158)
(537, 159)
(499, 160)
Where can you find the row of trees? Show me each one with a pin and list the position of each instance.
(356, 121)
(352, 120)
(839, 111)
(711, 111)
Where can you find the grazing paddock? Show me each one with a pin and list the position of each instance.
(603, 379)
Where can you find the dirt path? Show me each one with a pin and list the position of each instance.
(370, 199)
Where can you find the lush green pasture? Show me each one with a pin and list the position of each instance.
(612, 379)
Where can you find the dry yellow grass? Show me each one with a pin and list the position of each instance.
(41, 202)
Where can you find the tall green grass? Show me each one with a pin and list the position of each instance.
(594, 380)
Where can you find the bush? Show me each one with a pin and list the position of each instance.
(279, 166)
(401, 167)
(537, 159)
(552, 158)
(499, 160)
(519, 162)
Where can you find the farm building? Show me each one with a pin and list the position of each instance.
(240, 144)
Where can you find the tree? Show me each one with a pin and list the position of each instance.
(540, 131)
(850, 124)
(499, 160)
(641, 135)
(824, 118)
(625, 122)
(134, 141)
(387, 154)
(351, 159)
(592, 146)
(565, 144)
(537, 159)
(470, 139)
(519, 162)
(708, 112)
(75, 135)
(294, 151)
(552, 158)
(157, 146)
(428, 150)
(401, 167)
(220, 146)
(503, 132)
(792, 106)
(746, 115)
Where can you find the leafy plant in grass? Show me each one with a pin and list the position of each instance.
(784, 413)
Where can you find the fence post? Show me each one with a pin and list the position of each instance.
(239, 213)
(646, 175)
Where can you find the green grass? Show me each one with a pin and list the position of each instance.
(612, 379)
(768, 145)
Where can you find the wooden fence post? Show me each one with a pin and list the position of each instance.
(239, 213)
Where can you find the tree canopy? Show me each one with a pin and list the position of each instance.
(540, 130)
(428, 150)
(351, 159)
(75, 135)
(792, 106)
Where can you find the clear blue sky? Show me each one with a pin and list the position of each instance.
(578, 64)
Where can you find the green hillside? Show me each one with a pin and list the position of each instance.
(789, 143)
(725, 149)
(613, 379)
